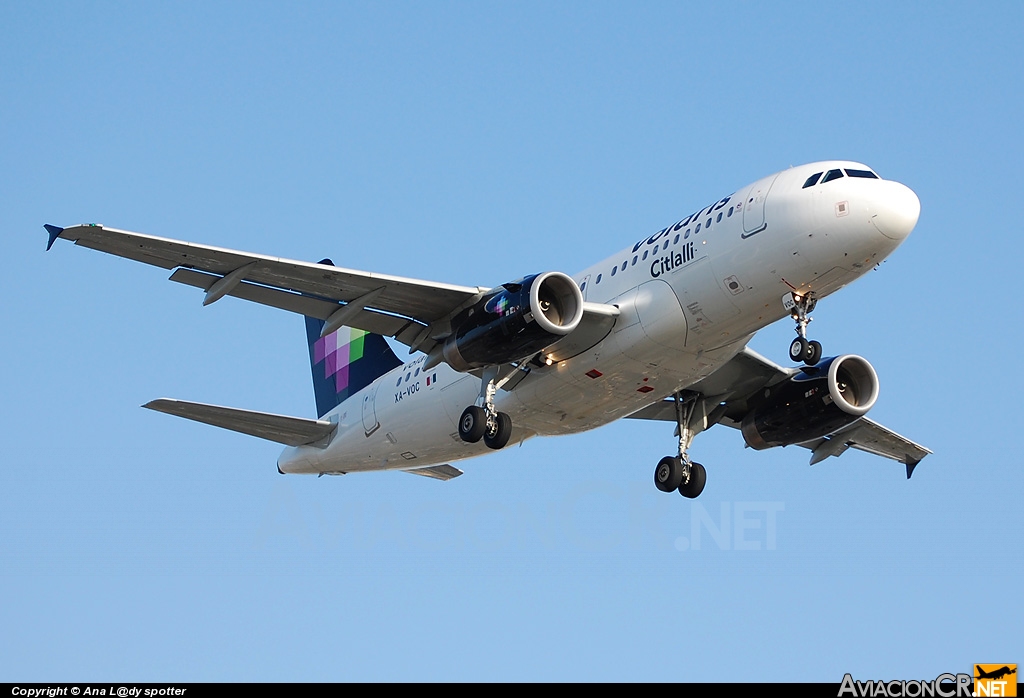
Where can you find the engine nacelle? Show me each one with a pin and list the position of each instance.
(814, 403)
(515, 321)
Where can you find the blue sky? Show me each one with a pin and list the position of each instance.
(473, 143)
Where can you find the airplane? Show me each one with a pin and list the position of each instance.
(996, 674)
(657, 331)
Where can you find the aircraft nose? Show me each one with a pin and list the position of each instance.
(895, 209)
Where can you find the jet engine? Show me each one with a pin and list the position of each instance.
(516, 320)
(816, 402)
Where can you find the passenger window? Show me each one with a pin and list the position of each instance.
(399, 382)
(583, 286)
(729, 215)
(719, 219)
(832, 174)
(686, 234)
(676, 241)
(707, 224)
(634, 259)
(624, 265)
(598, 279)
(866, 174)
(812, 180)
(697, 229)
(645, 255)
(614, 269)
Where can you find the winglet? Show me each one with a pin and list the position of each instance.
(910, 467)
(54, 232)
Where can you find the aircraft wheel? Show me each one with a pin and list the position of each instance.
(798, 349)
(813, 353)
(668, 474)
(698, 478)
(472, 424)
(502, 432)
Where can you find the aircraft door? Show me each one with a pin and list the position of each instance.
(370, 423)
(753, 206)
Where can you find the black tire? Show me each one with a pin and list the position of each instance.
(502, 432)
(668, 474)
(813, 353)
(698, 478)
(798, 349)
(472, 424)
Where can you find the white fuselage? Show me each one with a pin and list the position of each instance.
(689, 297)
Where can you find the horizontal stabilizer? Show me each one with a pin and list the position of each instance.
(438, 472)
(290, 431)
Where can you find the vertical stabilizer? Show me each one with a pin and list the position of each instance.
(344, 362)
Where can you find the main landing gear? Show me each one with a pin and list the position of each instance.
(679, 472)
(800, 349)
(494, 427)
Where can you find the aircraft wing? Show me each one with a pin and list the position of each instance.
(731, 388)
(414, 312)
(401, 307)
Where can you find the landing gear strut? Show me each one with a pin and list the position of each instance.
(679, 472)
(494, 427)
(800, 349)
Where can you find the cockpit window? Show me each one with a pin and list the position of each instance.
(832, 174)
(866, 174)
(812, 180)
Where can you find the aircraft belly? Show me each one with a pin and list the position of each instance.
(559, 402)
(624, 373)
(573, 401)
(409, 429)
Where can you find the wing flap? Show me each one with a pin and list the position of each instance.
(290, 431)
(366, 319)
(437, 472)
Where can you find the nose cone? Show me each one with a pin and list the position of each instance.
(895, 209)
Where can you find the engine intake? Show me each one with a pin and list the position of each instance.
(514, 321)
(816, 402)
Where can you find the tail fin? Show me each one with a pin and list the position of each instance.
(345, 362)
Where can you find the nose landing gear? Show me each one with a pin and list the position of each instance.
(800, 349)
